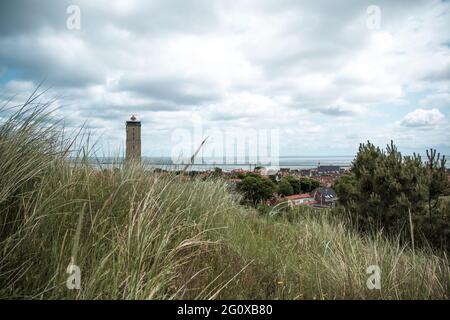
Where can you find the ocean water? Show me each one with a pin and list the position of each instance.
(203, 164)
(292, 162)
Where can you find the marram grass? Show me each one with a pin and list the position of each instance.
(137, 234)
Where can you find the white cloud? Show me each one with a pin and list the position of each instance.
(423, 118)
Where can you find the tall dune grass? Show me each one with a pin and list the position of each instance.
(138, 234)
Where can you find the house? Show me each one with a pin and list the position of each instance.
(328, 169)
(232, 183)
(305, 172)
(304, 199)
(238, 171)
(275, 177)
(343, 170)
(325, 197)
(327, 180)
(263, 171)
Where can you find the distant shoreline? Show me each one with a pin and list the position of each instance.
(290, 162)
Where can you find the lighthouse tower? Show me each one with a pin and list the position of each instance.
(133, 147)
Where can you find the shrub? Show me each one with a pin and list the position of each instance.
(383, 189)
(285, 188)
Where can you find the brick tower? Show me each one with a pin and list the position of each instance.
(133, 147)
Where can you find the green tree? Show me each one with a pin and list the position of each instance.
(383, 188)
(256, 189)
(347, 188)
(295, 183)
(285, 188)
(436, 178)
(308, 184)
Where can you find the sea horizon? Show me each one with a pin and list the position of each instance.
(208, 163)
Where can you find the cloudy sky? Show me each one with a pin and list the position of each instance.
(327, 74)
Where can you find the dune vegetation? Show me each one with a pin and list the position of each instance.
(140, 234)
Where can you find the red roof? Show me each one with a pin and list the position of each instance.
(298, 196)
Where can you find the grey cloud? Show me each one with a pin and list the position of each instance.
(28, 16)
(175, 90)
(220, 116)
(60, 65)
(335, 111)
(120, 112)
(439, 75)
(21, 17)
